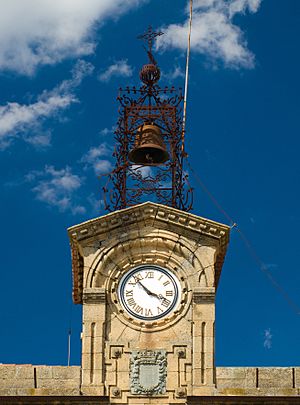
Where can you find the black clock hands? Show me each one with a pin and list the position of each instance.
(146, 289)
(159, 296)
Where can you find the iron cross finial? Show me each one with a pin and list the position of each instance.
(149, 37)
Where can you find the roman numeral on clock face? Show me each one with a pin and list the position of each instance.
(137, 277)
(148, 312)
(139, 310)
(131, 302)
(169, 293)
(165, 302)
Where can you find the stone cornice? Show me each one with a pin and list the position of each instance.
(204, 295)
(149, 214)
(94, 296)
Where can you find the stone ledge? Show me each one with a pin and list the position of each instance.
(54, 400)
(275, 380)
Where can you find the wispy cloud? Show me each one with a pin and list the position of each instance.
(17, 119)
(144, 171)
(107, 131)
(96, 157)
(40, 140)
(176, 72)
(268, 339)
(49, 31)
(214, 34)
(57, 188)
(25, 120)
(119, 69)
(95, 204)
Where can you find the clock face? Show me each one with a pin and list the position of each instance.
(149, 292)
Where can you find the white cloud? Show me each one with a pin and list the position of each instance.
(80, 70)
(94, 158)
(17, 120)
(40, 140)
(108, 131)
(35, 32)
(175, 73)
(118, 69)
(213, 32)
(241, 6)
(267, 339)
(144, 171)
(96, 205)
(57, 188)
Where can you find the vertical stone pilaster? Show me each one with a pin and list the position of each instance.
(203, 341)
(92, 379)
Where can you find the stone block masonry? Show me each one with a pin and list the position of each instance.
(29, 380)
(258, 381)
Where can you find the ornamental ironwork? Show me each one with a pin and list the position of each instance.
(149, 144)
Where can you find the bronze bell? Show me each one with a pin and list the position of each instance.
(149, 148)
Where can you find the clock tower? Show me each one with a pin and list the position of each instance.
(147, 272)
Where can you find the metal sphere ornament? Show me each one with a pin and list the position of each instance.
(150, 74)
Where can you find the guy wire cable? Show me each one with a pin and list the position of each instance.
(248, 245)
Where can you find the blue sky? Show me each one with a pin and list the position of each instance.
(61, 64)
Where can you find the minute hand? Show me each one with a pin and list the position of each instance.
(147, 290)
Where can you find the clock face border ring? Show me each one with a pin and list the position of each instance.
(150, 267)
(178, 313)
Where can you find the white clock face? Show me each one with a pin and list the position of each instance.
(149, 292)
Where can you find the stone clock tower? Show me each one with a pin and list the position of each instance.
(146, 277)
(146, 273)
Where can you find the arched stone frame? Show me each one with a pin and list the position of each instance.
(159, 247)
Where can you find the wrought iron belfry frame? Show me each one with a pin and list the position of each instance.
(130, 184)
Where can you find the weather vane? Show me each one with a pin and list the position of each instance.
(149, 37)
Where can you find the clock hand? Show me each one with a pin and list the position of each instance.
(147, 290)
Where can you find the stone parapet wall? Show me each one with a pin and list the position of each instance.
(258, 381)
(29, 380)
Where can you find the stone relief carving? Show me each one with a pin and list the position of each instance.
(203, 279)
(148, 372)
